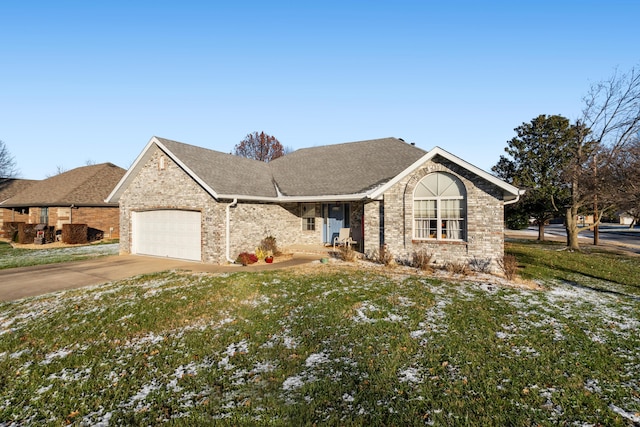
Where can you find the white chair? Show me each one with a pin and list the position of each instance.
(343, 238)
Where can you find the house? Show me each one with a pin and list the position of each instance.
(9, 187)
(73, 197)
(188, 202)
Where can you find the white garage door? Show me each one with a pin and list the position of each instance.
(167, 233)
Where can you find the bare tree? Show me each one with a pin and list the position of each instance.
(7, 163)
(626, 165)
(610, 120)
(259, 146)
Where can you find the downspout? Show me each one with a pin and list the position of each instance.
(228, 233)
(521, 192)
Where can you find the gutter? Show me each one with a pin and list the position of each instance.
(228, 231)
(510, 202)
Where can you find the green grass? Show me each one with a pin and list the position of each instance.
(14, 257)
(330, 348)
(594, 267)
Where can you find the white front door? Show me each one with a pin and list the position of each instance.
(167, 233)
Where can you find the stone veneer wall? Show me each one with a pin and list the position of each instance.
(484, 225)
(252, 222)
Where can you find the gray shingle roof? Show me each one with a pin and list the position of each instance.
(84, 186)
(225, 173)
(340, 169)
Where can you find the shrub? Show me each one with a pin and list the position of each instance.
(347, 253)
(509, 266)
(458, 268)
(386, 257)
(422, 260)
(74, 233)
(246, 258)
(269, 245)
(480, 265)
(26, 232)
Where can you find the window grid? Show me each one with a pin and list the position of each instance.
(438, 217)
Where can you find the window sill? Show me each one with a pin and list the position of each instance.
(439, 241)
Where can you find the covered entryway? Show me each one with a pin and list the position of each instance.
(167, 233)
(336, 216)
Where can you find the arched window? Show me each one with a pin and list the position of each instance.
(439, 208)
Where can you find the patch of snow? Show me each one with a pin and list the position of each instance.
(316, 359)
(410, 375)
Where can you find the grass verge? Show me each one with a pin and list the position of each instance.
(11, 257)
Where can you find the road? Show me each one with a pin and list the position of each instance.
(610, 234)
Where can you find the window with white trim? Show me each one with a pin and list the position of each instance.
(439, 208)
(308, 216)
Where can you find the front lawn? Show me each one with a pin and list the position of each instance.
(325, 347)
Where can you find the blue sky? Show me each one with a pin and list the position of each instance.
(94, 81)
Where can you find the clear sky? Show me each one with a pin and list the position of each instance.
(91, 82)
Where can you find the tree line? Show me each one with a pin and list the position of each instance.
(586, 167)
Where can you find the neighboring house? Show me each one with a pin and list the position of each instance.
(9, 187)
(183, 201)
(73, 197)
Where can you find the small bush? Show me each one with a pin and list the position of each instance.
(480, 265)
(458, 268)
(509, 266)
(26, 232)
(422, 260)
(269, 244)
(246, 258)
(74, 234)
(347, 253)
(386, 257)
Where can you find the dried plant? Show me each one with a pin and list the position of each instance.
(422, 260)
(509, 266)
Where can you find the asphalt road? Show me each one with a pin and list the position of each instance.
(610, 234)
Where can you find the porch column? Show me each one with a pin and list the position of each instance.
(371, 227)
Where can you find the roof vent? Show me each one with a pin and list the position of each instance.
(413, 143)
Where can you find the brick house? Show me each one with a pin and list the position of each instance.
(9, 187)
(73, 197)
(183, 201)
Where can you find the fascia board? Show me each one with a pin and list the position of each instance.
(115, 194)
(295, 199)
(141, 160)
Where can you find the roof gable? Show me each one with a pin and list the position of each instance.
(84, 186)
(510, 193)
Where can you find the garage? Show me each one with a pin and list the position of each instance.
(167, 233)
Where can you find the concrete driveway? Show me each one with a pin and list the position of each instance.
(16, 283)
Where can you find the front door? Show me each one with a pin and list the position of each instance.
(336, 216)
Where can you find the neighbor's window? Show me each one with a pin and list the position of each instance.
(44, 216)
(309, 216)
(439, 208)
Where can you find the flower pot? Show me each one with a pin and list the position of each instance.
(268, 259)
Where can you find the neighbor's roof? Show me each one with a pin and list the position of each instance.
(84, 186)
(349, 171)
(9, 187)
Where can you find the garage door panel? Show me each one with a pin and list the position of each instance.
(167, 233)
